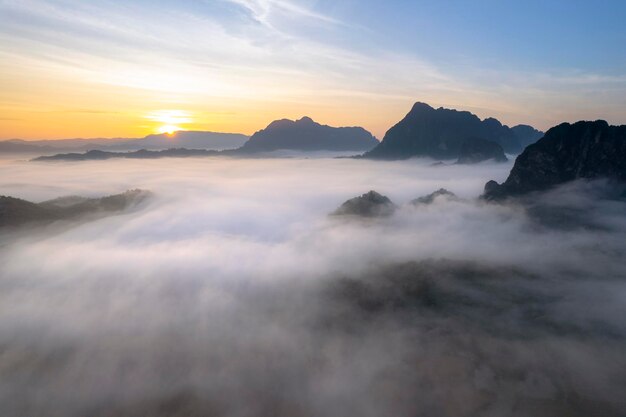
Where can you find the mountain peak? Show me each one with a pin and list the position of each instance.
(492, 122)
(420, 106)
(305, 119)
(280, 123)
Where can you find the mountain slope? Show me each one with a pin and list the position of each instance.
(477, 150)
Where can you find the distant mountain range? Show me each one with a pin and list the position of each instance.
(302, 135)
(306, 135)
(181, 139)
(424, 131)
(440, 134)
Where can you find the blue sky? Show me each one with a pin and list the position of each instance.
(542, 35)
(237, 64)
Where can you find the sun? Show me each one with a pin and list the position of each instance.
(169, 121)
(168, 129)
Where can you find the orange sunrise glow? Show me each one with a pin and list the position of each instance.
(169, 121)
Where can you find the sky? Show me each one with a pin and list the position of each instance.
(98, 68)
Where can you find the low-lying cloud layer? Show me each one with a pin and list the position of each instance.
(233, 293)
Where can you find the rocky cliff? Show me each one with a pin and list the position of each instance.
(567, 152)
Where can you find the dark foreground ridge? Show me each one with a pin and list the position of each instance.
(440, 133)
(307, 135)
(583, 150)
(17, 212)
(141, 154)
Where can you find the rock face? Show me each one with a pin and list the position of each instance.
(477, 150)
(567, 152)
(18, 212)
(430, 198)
(307, 135)
(440, 134)
(370, 204)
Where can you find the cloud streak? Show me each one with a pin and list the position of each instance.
(262, 10)
(299, 60)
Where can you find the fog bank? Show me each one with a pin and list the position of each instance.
(232, 293)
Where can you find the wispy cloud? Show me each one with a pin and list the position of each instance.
(271, 51)
(199, 53)
(262, 10)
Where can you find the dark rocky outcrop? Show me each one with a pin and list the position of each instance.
(370, 204)
(583, 150)
(440, 133)
(17, 212)
(430, 198)
(477, 150)
(307, 135)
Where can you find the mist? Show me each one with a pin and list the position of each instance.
(231, 292)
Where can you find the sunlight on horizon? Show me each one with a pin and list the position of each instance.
(169, 129)
(170, 121)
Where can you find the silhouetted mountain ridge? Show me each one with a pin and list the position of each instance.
(307, 135)
(440, 133)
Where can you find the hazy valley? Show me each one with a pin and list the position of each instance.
(231, 291)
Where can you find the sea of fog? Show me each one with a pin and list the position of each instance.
(231, 292)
